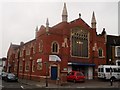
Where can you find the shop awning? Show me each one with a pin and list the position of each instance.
(80, 64)
(54, 58)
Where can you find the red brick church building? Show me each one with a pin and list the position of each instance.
(57, 50)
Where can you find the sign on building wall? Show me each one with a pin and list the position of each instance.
(54, 58)
(39, 64)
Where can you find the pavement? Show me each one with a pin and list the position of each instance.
(87, 84)
(41, 84)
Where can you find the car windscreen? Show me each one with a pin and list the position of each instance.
(4, 74)
(80, 74)
(11, 75)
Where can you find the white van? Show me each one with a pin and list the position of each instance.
(109, 71)
(118, 62)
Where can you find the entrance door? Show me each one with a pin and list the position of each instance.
(54, 73)
(90, 73)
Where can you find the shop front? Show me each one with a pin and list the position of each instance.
(87, 69)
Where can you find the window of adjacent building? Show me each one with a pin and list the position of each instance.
(117, 51)
(100, 52)
(41, 46)
(27, 65)
(55, 47)
(21, 65)
(79, 45)
(33, 66)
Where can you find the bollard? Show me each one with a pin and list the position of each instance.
(111, 82)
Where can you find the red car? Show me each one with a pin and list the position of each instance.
(75, 76)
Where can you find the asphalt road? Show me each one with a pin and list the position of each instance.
(16, 85)
(88, 84)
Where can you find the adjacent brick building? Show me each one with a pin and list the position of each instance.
(113, 49)
(59, 49)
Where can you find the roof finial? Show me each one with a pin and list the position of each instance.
(79, 15)
(47, 22)
(36, 30)
(93, 21)
(64, 13)
(47, 25)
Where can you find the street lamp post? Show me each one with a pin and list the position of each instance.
(58, 78)
(46, 63)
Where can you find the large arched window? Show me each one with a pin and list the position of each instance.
(55, 47)
(79, 42)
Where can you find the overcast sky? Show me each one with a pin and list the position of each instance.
(19, 19)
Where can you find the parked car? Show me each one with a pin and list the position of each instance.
(3, 75)
(11, 77)
(76, 76)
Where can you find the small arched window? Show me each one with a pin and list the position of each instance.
(41, 46)
(55, 47)
(27, 66)
(21, 65)
(33, 66)
(100, 52)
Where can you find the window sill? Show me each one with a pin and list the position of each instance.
(101, 57)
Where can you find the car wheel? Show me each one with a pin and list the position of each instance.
(83, 81)
(113, 78)
(16, 80)
(6, 80)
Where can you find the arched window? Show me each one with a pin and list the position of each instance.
(21, 65)
(34, 49)
(55, 47)
(41, 46)
(33, 66)
(100, 52)
(27, 65)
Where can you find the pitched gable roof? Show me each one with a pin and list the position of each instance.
(80, 22)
